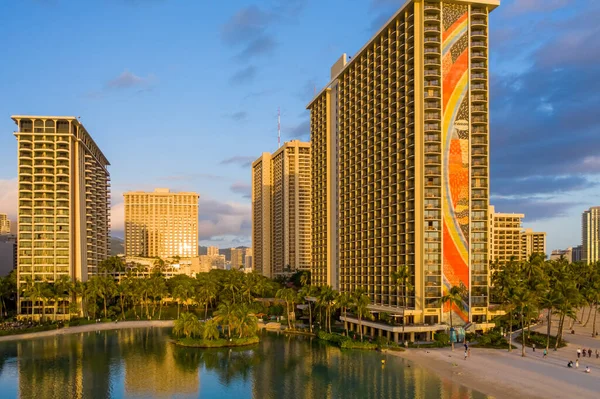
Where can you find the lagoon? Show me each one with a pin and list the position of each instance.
(142, 363)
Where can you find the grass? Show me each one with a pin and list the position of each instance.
(539, 340)
(217, 343)
(46, 327)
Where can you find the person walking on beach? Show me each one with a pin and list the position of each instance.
(545, 353)
(533, 348)
(466, 353)
(597, 354)
(577, 363)
(584, 352)
(578, 353)
(590, 353)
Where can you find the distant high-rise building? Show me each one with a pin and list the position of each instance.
(4, 224)
(281, 210)
(590, 235)
(161, 224)
(212, 251)
(8, 253)
(400, 163)
(211, 262)
(533, 242)
(562, 253)
(64, 202)
(505, 241)
(238, 257)
(577, 254)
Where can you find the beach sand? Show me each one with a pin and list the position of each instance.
(500, 374)
(90, 327)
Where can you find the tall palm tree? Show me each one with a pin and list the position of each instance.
(64, 289)
(345, 300)
(454, 299)
(327, 297)
(361, 308)
(400, 278)
(288, 295)
(522, 300)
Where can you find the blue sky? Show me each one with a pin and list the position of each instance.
(184, 94)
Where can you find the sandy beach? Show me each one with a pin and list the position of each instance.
(90, 327)
(502, 374)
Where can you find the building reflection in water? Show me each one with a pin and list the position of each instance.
(93, 365)
(140, 363)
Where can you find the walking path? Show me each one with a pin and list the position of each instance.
(90, 327)
(502, 374)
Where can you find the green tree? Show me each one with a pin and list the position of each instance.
(454, 299)
(345, 301)
(211, 330)
(360, 305)
(288, 295)
(187, 325)
(64, 290)
(401, 279)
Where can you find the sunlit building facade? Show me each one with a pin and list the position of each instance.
(281, 210)
(64, 202)
(4, 224)
(590, 235)
(400, 163)
(506, 241)
(161, 224)
(533, 242)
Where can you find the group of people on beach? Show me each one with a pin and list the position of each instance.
(583, 352)
(588, 352)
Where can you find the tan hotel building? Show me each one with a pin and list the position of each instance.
(400, 162)
(281, 210)
(4, 224)
(533, 242)
(64, 201)
(505, 236)
(161, 224)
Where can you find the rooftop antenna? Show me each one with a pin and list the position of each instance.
(278, 127)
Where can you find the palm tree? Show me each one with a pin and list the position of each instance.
(226, 315)
(206, 292)
(159, 264)
(327, 298)
(106, 291)
(361, 308)
(246, 324)
(304, 278)
(288, 295)
(522, 301)
(211, 330)
(400, 278)
(453, 298)
(187, 325)
(345, 301)
(26, 291)
(304, 294)
(64, 288)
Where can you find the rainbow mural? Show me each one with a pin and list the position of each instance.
(455, 142)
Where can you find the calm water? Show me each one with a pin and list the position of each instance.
(141, 363)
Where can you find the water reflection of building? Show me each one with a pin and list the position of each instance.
(95, 365)
(65, 366)
(154, 372)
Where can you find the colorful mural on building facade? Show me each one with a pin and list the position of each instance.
(455, 139)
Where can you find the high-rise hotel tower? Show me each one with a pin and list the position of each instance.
(281, 210)
(161, 224)
(400, 169)
(64, 201)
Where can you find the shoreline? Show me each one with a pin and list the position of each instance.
(89, 328)
(499, 374)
